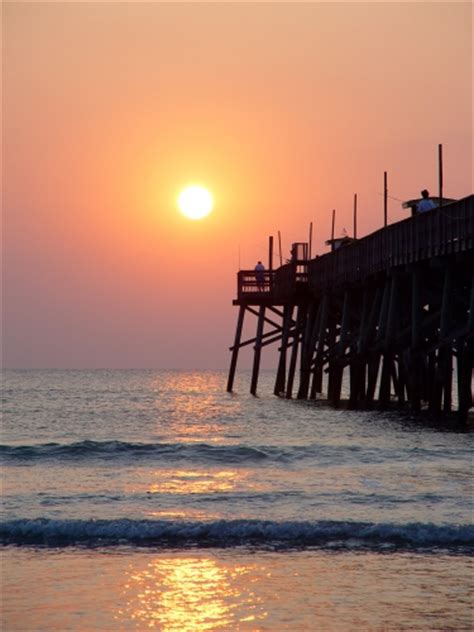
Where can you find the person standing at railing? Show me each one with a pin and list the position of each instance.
(425, 204)
(260, 276)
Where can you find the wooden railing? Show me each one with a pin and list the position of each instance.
(434, 233)
(280, 285)
(438, 232)
(253, 284)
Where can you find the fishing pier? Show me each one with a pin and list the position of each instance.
(391, 315)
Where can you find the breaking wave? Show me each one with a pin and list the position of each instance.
(229, 533)
(208, 452)
(122, 449)
(108, 450)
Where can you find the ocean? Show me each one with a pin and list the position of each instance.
(137, 500)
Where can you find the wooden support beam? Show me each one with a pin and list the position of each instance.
(257, 351)
(267, 320)
(281, 372)
(448, 381)
(294, 353)
(252, 341)
(372, 377)
(358, 361)
(393, 311)
(465, 378)
(415, 365)
(307, 349)
(337, 369)
(235, 349)
(470, 318)
(445, 366)
(331, 341)
(385, 381)
(276, 311)
(317, 383)
(431, 395)
(383, 313)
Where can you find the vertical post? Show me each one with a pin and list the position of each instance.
(393, 310)
(310, 238)
(235, 348)
(257, 350)
(333, 226)
(316, 386)
(416, 366)
(281, 372)
(270, 253)
(341, 349)
(332, 365)
(385, 379)
(357, 366)
(355, 215)
(440, 174)
(279, 247)
(373, 359)
(294, 353)
(445, 364)
(307, 349)
(465, 376)
(385, 197)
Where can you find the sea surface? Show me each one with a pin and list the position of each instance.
(137, 500)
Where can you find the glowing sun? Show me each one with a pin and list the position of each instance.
(195, 202)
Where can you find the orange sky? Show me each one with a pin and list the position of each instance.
(283, 110)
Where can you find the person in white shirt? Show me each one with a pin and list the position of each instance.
(425, 204)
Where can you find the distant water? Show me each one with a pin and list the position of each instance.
(204, 510)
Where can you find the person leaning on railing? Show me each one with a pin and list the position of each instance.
(260, 276)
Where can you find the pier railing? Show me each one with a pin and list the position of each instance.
(286, 283)
(253, 284)
(439, 232)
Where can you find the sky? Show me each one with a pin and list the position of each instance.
(282, 110)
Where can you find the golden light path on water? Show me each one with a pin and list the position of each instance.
(195, 409)
(234, 589)
(184, 594)
(196, 482)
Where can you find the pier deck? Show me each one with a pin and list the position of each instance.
(392, 312)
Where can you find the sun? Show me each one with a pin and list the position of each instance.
(195, 202)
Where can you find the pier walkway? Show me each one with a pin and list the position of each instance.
(393, 313)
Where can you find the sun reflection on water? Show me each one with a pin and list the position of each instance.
(196, 410)
(191, 593)
(196, 482)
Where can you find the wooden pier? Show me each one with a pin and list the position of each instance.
(391, 313)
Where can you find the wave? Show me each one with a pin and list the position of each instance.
(114, 449)
(205, 452)
(229, 533)
(121, 449)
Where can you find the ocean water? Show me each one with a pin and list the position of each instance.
(155, 500)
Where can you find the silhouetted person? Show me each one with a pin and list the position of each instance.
(260, 276)
(425, 204)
